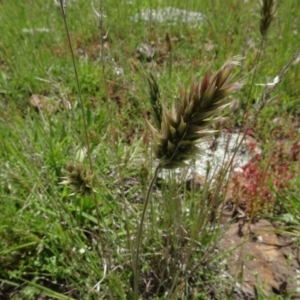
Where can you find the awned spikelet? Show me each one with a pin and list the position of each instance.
(185, 125)
(267, 13)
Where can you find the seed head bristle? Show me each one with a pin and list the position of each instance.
(184, 126)
(267, 13)
(79, 178)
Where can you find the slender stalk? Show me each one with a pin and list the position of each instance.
(256, 61)
(267, 11)
(103, 36)
(121, 179)
(139, 235)
(63, 12)
(265, 98)
(78, 85)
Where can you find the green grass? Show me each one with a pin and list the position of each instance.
(52, 240)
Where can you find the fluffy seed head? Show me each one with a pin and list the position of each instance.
(184, 125)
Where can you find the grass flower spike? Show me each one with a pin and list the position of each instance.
(185, 125)
(154, 95)
(267, 12)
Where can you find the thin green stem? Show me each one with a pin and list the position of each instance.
(63, 12)
(239, 143)
(139, 234)
(78, 85)
(269, 89)
(103, 36)
(256, 61)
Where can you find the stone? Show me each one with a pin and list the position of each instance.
(260, 259)
(168, 14)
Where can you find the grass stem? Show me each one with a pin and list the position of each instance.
(139, 234)
(63, 12)
(88, 150)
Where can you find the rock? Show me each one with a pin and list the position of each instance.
(260, 259)
(212, 161)
(168, 14)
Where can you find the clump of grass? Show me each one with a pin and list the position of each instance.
(180, 129)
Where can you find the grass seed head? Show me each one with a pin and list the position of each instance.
(155, 101)
(267, 13)
(79, 178)
(184, 126)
